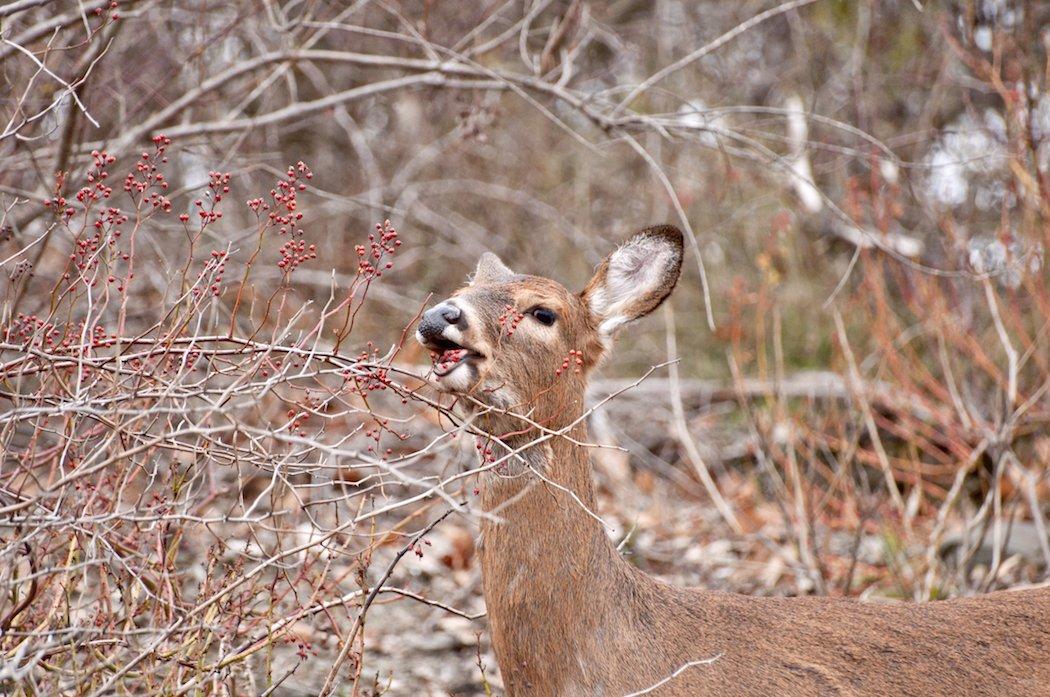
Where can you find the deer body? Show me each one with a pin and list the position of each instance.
(569, 616)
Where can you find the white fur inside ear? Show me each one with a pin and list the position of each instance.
(636, 269)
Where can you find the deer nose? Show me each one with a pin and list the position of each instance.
(438, 318)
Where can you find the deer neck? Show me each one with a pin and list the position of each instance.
(551, 575)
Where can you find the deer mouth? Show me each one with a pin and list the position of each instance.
(448, 355)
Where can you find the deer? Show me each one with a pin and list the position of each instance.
(569, 615)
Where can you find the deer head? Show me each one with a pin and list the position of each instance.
(525, 344)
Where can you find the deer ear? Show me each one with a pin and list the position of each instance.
(636, 278)
(491, 270)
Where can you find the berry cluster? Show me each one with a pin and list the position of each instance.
(304, 649)
(87, 250)
(114, 15)
(375, 379)
(218, 185)
(300, 416)
(285, 211)
(96, 177)
(575, 358)
(59, 204)
(284, 214)
(383, 243)
(509, 319)
(22, 268)
(99, 338)
(30, 330)
(146, 176)
(376, 434)
(214, 267)
(417, 548)
(485, 451)
(144, 184)
(295, 252)
(443, 362)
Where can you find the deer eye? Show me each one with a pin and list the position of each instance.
(544, 316)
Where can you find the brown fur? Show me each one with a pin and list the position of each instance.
(570, 617)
